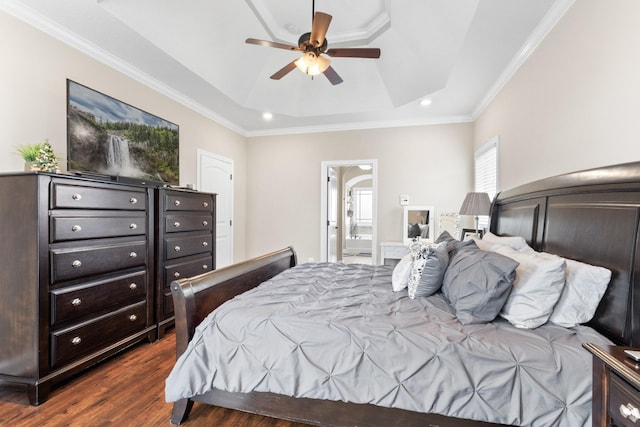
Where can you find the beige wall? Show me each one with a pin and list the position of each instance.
(33, 107)
(575, 103)
(432, 164)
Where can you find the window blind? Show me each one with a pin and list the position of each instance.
(486, 173)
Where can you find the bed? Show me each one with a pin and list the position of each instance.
(590, 216)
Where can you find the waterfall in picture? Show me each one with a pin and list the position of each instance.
(119, 160)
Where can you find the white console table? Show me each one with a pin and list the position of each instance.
(392, 252)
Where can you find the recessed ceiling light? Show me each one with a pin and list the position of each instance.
(425, 102)
(267, 116)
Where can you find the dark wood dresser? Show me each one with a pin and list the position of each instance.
(76, 283)
(185, 244)
(616, 387)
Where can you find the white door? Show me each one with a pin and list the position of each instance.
(215, 175)
(332, 215)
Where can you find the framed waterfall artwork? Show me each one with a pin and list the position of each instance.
(108, 138)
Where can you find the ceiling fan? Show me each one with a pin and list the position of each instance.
(313, 45)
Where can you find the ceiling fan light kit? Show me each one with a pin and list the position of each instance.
(312, 65)
(313, 45)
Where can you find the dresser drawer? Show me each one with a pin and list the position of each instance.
(177, 223)
(185, 201)
(76, 302)
(76, 262)
(624, 402)
(71, 343)
(68, 196)
(99, 225)
(180, 246)
(186, 268)
(180, 270)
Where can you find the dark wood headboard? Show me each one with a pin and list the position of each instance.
(590, 216)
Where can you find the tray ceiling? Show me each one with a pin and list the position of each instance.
(454, 53)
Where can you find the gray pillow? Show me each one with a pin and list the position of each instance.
(437, 259)
(477, 283)
(429, 263)
(452, 244)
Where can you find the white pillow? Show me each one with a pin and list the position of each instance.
(485, 245)
(401, 272)
(516, 242)
(536, 289)
(585, 285)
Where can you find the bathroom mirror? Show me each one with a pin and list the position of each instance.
(418, 222)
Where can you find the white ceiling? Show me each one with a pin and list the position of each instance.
(457, 53)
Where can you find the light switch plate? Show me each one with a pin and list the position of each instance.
(404, 200)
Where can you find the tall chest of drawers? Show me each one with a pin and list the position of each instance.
(185, 243)
(77, 275)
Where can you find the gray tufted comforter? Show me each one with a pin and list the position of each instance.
(338, 332)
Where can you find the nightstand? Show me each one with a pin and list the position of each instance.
(392, 252)
(616, 387)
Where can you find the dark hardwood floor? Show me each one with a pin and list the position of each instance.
(126, 390)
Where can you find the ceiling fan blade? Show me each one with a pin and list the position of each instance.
(319, 28)
(355, 52)
(271, 44)
(284, 70)
(333, 77)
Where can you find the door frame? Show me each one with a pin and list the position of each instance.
(200, 153)
(324, 169)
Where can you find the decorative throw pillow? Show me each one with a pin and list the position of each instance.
(400, 275)
(537, 288)
(584, 287)
(429, 264)
(477, 283)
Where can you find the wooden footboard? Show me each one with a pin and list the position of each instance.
(194, 298)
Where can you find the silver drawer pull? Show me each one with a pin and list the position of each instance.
(76, 263)
(205, 266)
(176, 274)
(205, 244)
(176, 224)
(76, 196)
(133, 318)
(205, 223)
(176, 248)
(205, 204)
(76, 340)
(76, 228)
(76, 302)
(133, 255)
(629, 411)
(176, 202)
(133, 226)
(133, 200)
(133, 286)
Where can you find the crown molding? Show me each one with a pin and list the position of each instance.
(358, 126)
(44, 24)
(557, 11)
